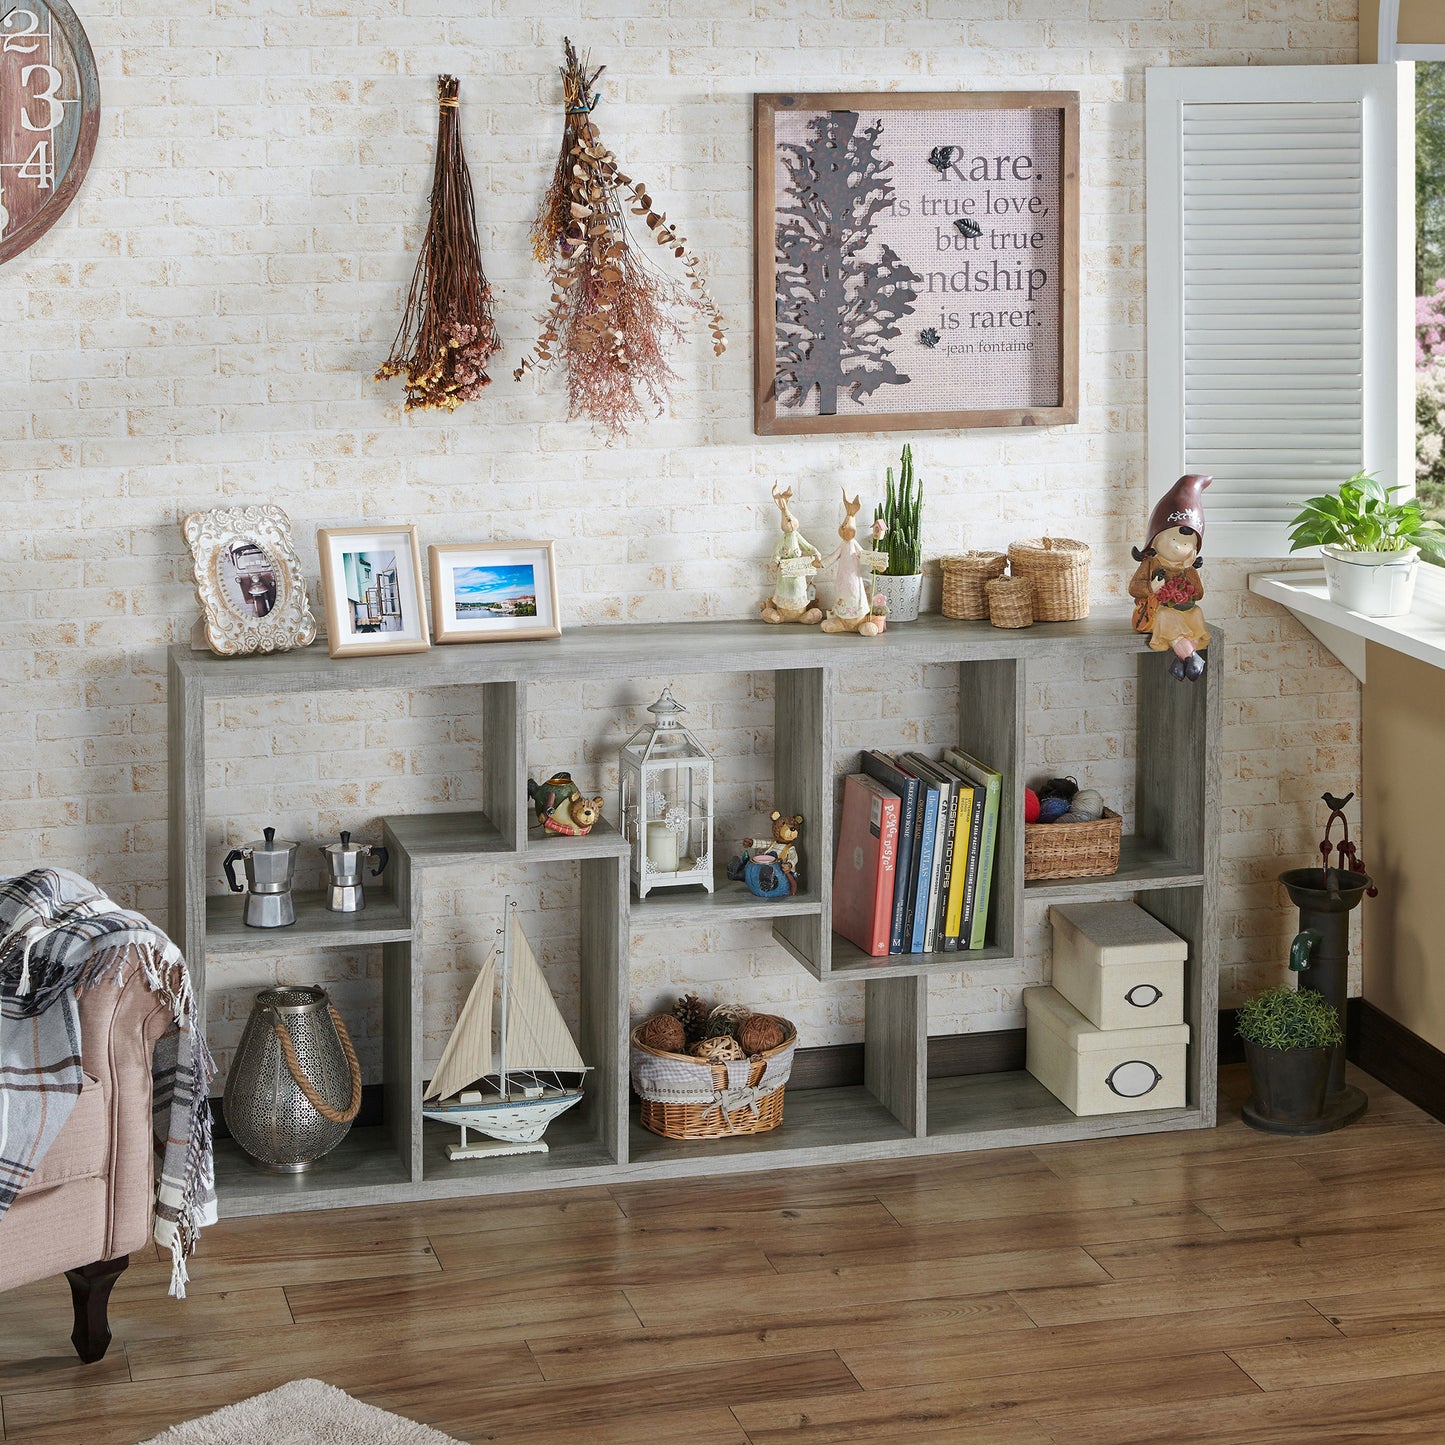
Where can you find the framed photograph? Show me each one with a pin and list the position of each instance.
(249, 580)
(491, 591)
(917, 261)
(371, 585)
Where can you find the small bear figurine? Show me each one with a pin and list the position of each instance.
(561, 807)
(770, 866)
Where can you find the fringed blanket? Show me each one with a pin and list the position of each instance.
(60, 935)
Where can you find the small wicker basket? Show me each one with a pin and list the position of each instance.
(964, 578)
(1059, 570)
(684, 1097)
(1010, 602)
(1073, 850)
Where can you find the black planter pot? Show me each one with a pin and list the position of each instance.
(1291, 1087)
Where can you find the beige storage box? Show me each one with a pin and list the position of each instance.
(1120, 967)
(1103, 1071)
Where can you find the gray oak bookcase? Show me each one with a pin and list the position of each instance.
(1169, 864)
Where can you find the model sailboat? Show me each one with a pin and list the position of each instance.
(513, 1098)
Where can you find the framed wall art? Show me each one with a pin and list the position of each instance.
(917, 261)
(371, 585)
(491, 591)
(249, 580)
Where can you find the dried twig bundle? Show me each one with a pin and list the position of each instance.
(447, 333)
(613, 314)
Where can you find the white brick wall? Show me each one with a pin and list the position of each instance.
(202, 328)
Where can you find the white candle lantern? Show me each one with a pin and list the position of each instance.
(666, 807)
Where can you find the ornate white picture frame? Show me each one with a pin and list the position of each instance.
(249, 580)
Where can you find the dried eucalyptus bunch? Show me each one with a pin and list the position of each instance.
(613, 315)
(448, 333)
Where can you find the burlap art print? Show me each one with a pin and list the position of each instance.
(917, 261)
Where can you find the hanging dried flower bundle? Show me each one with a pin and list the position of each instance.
(447, 333)
(613, 315)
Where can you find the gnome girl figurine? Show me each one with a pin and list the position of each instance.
(852, 609)
(793, 558)
(1166, 588)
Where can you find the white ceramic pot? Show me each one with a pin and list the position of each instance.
(1374, 584)
(902, 594)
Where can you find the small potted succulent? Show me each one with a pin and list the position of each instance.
(1371, 545)
(1290, 1037)
(897, 528)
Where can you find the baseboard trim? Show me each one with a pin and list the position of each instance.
(1397, 1057)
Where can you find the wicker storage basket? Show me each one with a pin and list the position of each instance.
(964, 577)
(687, 1098)
(1059, 570)
(1010, 602)
(1073, 850)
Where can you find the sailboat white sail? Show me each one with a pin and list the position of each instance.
(506, 1098)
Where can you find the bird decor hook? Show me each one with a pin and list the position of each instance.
(1348, 859)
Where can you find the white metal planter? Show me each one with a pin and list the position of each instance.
(902, 595)
(1374, 584)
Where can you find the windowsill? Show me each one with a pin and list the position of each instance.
(1419, 634)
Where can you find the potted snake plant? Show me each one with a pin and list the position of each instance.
(1371, 545)
(1290, 1037)
(899, 521)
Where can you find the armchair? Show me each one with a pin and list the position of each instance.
(91, 1201)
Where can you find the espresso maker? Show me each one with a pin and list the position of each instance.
(269, 866)
(345, 893)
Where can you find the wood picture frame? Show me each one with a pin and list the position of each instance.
(864, 213)
(248, 580)
(384, 562)
(478, 587)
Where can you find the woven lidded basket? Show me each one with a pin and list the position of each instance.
(1059, 570)
(1073, 850)
(1010, 602)
(684, 1097)
(964, 577)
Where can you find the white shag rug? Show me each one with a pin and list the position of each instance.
(305, 1412)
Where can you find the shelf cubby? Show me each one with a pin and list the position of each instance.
(1169, 864)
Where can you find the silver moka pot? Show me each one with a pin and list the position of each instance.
(343, 861)
(269, 866)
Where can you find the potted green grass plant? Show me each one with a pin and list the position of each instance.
(1371, 544)
(902, 515)
(1290, 1037)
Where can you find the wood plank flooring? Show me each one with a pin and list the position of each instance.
(1220, 1286)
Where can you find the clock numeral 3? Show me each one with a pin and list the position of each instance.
(55, 106)
(15, 36)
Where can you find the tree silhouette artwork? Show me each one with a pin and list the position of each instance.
(837, 310)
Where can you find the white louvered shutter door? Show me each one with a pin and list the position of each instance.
(1279, 288)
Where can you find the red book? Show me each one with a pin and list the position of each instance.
(863, 874)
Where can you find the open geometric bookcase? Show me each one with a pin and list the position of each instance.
(1169, 865)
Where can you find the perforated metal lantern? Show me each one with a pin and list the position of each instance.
(666, 806)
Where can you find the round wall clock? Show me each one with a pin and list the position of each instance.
(49, 117)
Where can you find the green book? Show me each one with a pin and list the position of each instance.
(992, 784)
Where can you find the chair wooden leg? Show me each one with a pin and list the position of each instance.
(90, 1287)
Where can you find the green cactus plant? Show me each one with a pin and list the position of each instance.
(902, 512)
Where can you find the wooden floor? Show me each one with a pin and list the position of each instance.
(1217, 1286)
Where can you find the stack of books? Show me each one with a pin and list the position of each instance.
(916, 845)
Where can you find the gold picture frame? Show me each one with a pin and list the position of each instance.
(361, 566)
(494, 591)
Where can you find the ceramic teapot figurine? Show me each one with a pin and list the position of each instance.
(1167, 588)
(794, 557)
(561, 807)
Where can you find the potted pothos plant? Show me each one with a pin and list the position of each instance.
(1290, 1037)
(897, 529)
(1371, 544)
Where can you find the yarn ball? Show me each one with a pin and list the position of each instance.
(760, 1032)
(1052, 809)
(719, 1050)
(1064, 788)
(1031, 806)
(1088, 804)
(663, 1032)
(1072, 817)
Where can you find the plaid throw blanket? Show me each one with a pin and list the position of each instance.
(60, 935)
